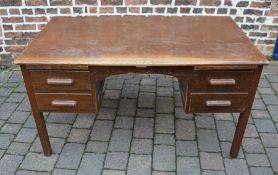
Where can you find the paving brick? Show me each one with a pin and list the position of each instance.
(130, 91)
(225, 130)
(10, 128)
(141, 146)
(145, 88)
(19, 117)
(113, 172)
(258, 104)
(264, 83)
(63, 118)
(164, 105)
(146, 100)
(127, 107)
(257, 160)
(26, 135)
(207, 140)
(272, 154)
(79, 135)
(70, 156)
(6, 110)
(188, 165)
(186, 148)
(178, 100)
(236, 167)
(16, 97)
(210, 172)
(223, 116)
(63, 172)
(24, 105)
(97, 147)
(212, 161)
(252, 145)
(260, 114)
(139, 165)
(205, 122)
(185, 130)
(265, 125)
(38, 162)
(266, 91)
(148, 81)
(269, 139)
(28, 172)
(112, 94)
(143, 128)
(165, 91)
(163, 173)
(5, 140)
(84, 120)
(115, 84)
(56, 145)
(116, 160)
(251, 131)
(124, 122)
(260, 171)
(164, 123)
(272, 78)
(273, 112)
(106, 114)
(226, 146)
(109, 103)
(143, 112)
(30, 122)
(164, 158)
(179, 113)
(101, 130)
(120, 140)
(18, 148)
(5, 92)
(166, 82)
(9, 164)
(91, 163)
(16, 76)
(21, 88)
(164, 139)
(270, 99)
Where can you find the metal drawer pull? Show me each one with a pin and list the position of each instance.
(221, 103)
(57, 81)
(216, 82)
(63, 103)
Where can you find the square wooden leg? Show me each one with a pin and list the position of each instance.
(42, 131)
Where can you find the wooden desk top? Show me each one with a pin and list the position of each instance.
(141, 41)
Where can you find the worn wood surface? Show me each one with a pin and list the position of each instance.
(142, 41)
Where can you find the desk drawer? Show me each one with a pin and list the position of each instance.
(221, 81)
(217, 102)
(51, 80)
(65, 102)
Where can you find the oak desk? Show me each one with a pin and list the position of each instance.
(217, 66)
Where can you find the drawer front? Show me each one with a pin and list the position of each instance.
(221, 81)
(218, 102)
(49, 80)
(65, 102)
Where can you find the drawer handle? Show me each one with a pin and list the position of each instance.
(63, 103)
(219, 103)
(217, 82)
(57, 81)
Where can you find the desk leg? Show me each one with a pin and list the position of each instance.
(42, 131)
(38, 116)
(240, 129)
(244, 116)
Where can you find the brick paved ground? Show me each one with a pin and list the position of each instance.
(141, 129)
